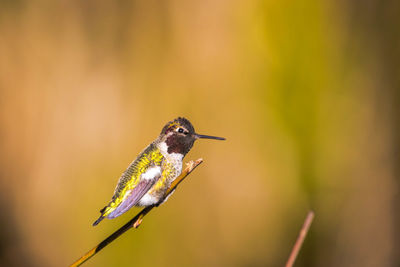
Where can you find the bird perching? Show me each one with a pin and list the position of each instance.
(145, 181)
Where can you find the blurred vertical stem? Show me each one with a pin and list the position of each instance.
(300, 239)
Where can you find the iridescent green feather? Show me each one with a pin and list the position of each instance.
(151, 156)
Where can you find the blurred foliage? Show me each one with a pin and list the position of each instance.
(306, 93)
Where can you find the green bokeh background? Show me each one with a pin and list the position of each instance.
(306, 93)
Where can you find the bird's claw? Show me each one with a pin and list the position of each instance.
(138, 222)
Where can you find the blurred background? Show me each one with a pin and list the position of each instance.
(306, 93)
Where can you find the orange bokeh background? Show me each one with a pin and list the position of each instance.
(305, 92)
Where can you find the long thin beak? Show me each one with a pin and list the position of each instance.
(198, 136)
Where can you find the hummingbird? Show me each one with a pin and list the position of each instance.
(148, 177)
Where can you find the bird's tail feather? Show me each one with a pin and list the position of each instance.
(101, 216)
(98, 220)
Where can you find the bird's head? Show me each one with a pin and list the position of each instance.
(179, 136)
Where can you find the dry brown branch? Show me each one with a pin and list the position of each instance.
(300, 239)
(137, 220)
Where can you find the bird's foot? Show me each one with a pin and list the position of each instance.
(138, 221)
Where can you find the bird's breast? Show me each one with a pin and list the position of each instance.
(171, 168)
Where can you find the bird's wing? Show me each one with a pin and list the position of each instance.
(132, 197)
(134, 183)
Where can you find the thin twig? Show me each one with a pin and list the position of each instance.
(300, 239)
(137, 220)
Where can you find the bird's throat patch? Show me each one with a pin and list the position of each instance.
(175, 145)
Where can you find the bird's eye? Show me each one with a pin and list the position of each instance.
(180, 130)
